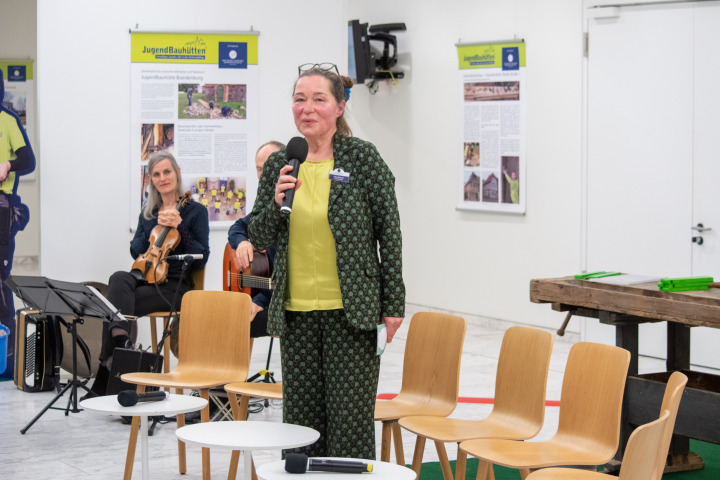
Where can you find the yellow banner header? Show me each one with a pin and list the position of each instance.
(17, 70)
(508, 56)
(224, 50)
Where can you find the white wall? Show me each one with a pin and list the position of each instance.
(470, 262)
(18, 40)
(473, 263)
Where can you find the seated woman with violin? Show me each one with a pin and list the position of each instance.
(170, 222)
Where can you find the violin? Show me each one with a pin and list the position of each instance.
(150, 266)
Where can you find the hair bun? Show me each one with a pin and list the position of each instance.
(347, 81)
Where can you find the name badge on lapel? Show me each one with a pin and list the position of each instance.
(339, 175)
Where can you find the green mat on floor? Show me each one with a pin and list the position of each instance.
(710, 454)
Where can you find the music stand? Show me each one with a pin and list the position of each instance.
(54, 297)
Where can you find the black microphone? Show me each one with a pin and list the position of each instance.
(188, 257)
(296, 153)
(299, 463)
(128, 398)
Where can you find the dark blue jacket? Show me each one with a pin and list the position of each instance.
(194, 237)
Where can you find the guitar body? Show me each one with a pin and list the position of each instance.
(248, 280)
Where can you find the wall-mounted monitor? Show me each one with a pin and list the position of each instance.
(361, 64)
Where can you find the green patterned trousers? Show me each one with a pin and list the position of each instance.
(330, 375)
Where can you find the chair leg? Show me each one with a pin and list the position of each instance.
(182, 457)
(234, 460)
(397, 437)
(204, 418)
(132, 442)
(166, 357)
(461, 465)
(485, 470)
(444, 462)
(235, 456)
(153, 334)
(239, 409)
(386, 439)
(418, 455)
(524, 472)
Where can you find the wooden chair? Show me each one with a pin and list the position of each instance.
(671, 402)
(589, 425)
(638, 463)
(245, 390)
(519, 408)
(198, 277)
(214, 350)
(647, 447)
(430, 379)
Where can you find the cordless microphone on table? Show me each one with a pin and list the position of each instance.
(295, 153)
(128, 398)
(299, 463)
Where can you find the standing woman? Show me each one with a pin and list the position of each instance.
(332, 289)
(135, 297)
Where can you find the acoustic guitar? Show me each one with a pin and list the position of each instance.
(237, 279)
(150, 265)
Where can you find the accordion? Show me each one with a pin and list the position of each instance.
(36, 351)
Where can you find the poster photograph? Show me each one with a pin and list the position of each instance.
(492, 77)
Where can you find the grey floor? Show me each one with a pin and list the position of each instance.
(90, 446)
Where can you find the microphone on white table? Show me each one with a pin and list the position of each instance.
(128, 398)
(299, 463)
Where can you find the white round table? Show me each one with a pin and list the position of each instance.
(380, 471)
(173, 405)
(248, 436)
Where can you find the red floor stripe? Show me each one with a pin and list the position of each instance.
(485, 401)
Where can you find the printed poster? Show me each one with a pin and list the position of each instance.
(492, 166)
(20, 95)
(195, 95)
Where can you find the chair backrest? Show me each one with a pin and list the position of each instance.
(591, 398)
(642, 449)
(521, 378)
(198, 277)
(215, 332)
(671, 403)
(431, 367)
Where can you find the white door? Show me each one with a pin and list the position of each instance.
(648, 89)
(706, 166)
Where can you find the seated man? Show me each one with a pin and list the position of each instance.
(238, 240)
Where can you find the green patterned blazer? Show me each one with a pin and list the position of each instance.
(364, 220)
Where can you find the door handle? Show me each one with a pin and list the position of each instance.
(701, 228)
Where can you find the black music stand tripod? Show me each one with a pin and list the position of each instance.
(53, 297)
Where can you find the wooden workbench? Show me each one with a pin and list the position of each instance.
(627, 306)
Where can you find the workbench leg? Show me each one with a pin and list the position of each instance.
(626, 336)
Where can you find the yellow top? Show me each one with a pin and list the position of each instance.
(313, 282)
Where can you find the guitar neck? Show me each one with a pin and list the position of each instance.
(253, 281)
